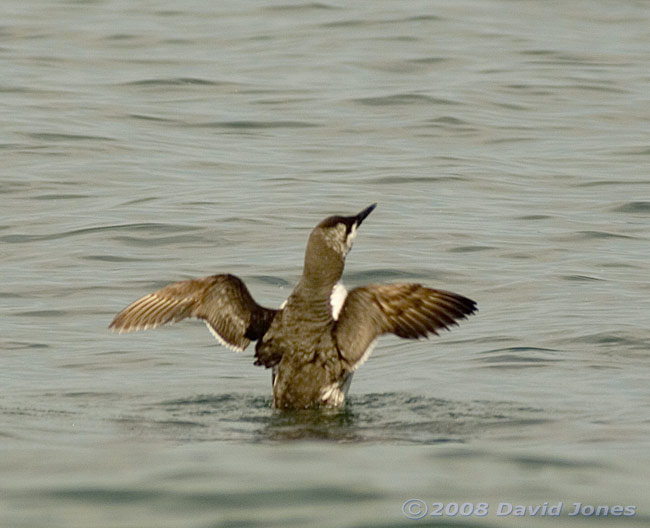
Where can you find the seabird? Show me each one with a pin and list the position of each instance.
(321, 334)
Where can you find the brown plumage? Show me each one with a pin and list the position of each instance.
(407, 310)
(321, 335)
(221, 301)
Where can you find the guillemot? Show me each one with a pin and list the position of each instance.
(321, 334)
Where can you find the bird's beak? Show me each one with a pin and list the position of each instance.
(363, 214)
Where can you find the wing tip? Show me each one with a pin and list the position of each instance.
(115, 327)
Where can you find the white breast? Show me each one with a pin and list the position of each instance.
(337, 298)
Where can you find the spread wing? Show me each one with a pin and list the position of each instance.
(222, 301)
(406, 310)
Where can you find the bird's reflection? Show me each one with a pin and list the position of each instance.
(315, 424)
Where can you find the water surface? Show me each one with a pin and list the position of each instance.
(507, 146)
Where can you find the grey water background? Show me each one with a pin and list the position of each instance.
(507, 144)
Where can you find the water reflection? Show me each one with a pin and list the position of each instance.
(314, 424)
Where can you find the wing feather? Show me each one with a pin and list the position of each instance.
(407, 310)
(222, 301)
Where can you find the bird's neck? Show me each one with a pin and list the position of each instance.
(316, 290)
(323, 269)
(323, 272)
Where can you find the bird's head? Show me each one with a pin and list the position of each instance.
(328, 245)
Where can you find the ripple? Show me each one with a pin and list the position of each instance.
(591, 235)
(42, 313)
(375, 417)
(403, 180)
(517, 357)
(271, 280)
(639, 207)
(244, 124)
(45, 136)
(534, 217)
(580, 278)
(312, 6)
(469, 249)
(61, 196)
(149, 228)
(428, 60)
(448, 121)
(618, 340)
(601, 235)
(147, 117)
(176, 81)
(381, 274)
(20, 345)
(111, 258)
(403, 99)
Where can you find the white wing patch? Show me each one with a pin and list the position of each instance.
(222, 340)
(337, 298)
(332, 395)
(274, 375)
